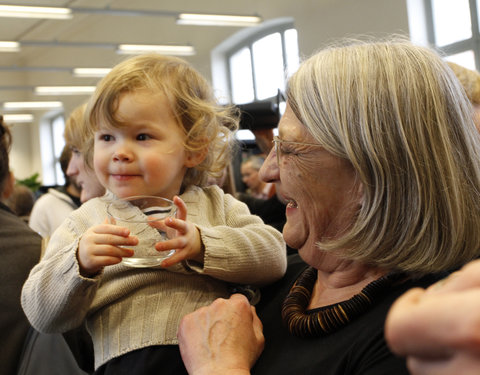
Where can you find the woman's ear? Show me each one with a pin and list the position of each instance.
(196, 157)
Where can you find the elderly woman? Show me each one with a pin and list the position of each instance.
(436, 340)
(379, 160)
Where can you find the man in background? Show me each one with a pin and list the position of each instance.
(53, 207)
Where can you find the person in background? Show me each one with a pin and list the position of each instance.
(78, 139)
(53, 207)
(271, 210)
(470, 80)
(255, 186)
(260, 197)
(378, 158)
(21, 201)
(20, 250)
(24, 350)
(159, 131)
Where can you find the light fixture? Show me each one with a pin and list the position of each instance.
(9, 46)
(91, 72)
(64, 90)
(18, 118)
(217, 20)
(164, 49)
(19, 11)
(31, 105)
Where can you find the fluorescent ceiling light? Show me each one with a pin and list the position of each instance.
(32, 105)
(10, 119)
(217, 20)
(164, 49)
(64, 90)
(91, 72)
(34, 12)
(9, 46)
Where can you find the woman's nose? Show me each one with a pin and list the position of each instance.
(72, 169)
(269, 171)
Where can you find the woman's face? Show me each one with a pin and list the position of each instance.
(320, 189)
(85, 177)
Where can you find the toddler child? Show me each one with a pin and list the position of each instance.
(157, 131)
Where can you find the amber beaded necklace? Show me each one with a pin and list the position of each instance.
(331, 318)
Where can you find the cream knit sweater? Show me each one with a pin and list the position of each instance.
(130, 308)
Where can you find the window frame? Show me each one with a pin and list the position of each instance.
(50, 161)
(472, 43)
(248, 42)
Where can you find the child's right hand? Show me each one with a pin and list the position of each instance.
(100, 246)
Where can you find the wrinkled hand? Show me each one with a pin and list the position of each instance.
(100, 246)
(223, 338)
(438, 329)
(184, 237)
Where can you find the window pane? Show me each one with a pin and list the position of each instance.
(291, 51)
(58, 128)
(451, 20)
(466, 59)
(46, 150)
(268, 65)
(241, 77)
(58, 125)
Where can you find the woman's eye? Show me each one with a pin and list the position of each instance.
(286, 150)
(143, 137)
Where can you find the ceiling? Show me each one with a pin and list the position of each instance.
(51, 48)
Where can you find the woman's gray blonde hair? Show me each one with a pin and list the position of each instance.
(205, 123)
(398, 114)
(77, 134)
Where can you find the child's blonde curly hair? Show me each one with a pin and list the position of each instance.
(205, 123)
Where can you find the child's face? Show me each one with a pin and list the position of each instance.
(145, 157)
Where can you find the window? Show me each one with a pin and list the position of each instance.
(259, 65)
(253, 64)
(451, 26)
(52, 143)
(241, 76)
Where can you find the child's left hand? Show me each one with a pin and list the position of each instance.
(185, 239)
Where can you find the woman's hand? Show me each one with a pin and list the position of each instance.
(184, 237)
(223, 338)
(438, 329)
(100, 246)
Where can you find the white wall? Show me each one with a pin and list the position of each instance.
(318, 25)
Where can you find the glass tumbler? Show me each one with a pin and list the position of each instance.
(136, 213)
